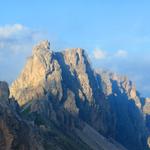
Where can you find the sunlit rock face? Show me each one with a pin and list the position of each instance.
(70, 103)
(68, 81)
(78, 61)
(63, 88)
(41, 73)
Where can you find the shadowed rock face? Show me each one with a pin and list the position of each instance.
(146, 111)
(61, 88)
(123, 85)
(4, 91)
(15, 133)
(126, 104)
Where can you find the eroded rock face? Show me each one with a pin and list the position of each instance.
(70, 103)
(124, 85)
(41, 73)
(63, 88)
(67, 79)
(77, 61)
(146, 107)
(15, 133)
(126, 104)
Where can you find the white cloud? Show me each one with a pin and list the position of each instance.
(129, 63)
(103, 54)
(121, 53)
(9, 30)
(17, 38)
(16, 43)
(99, 54)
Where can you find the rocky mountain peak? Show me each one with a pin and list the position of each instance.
(63, 77)
(47, 70)
(41, 47)
(75, 56)
(62, 87)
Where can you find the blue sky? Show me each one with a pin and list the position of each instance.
(116, 34)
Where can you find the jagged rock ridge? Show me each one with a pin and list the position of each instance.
(17, 133)
(127, 106)
(61, 77)
(61, 88)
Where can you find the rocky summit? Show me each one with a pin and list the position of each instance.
(59, 102)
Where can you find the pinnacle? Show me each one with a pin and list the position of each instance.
(42, 46)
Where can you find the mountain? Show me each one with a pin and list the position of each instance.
(73, 106)
(68, 81)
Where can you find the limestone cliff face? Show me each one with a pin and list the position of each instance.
(61, 88)
(67, 79)
(47, 70)
(18, 133)
(41, 73)
(78, 62)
